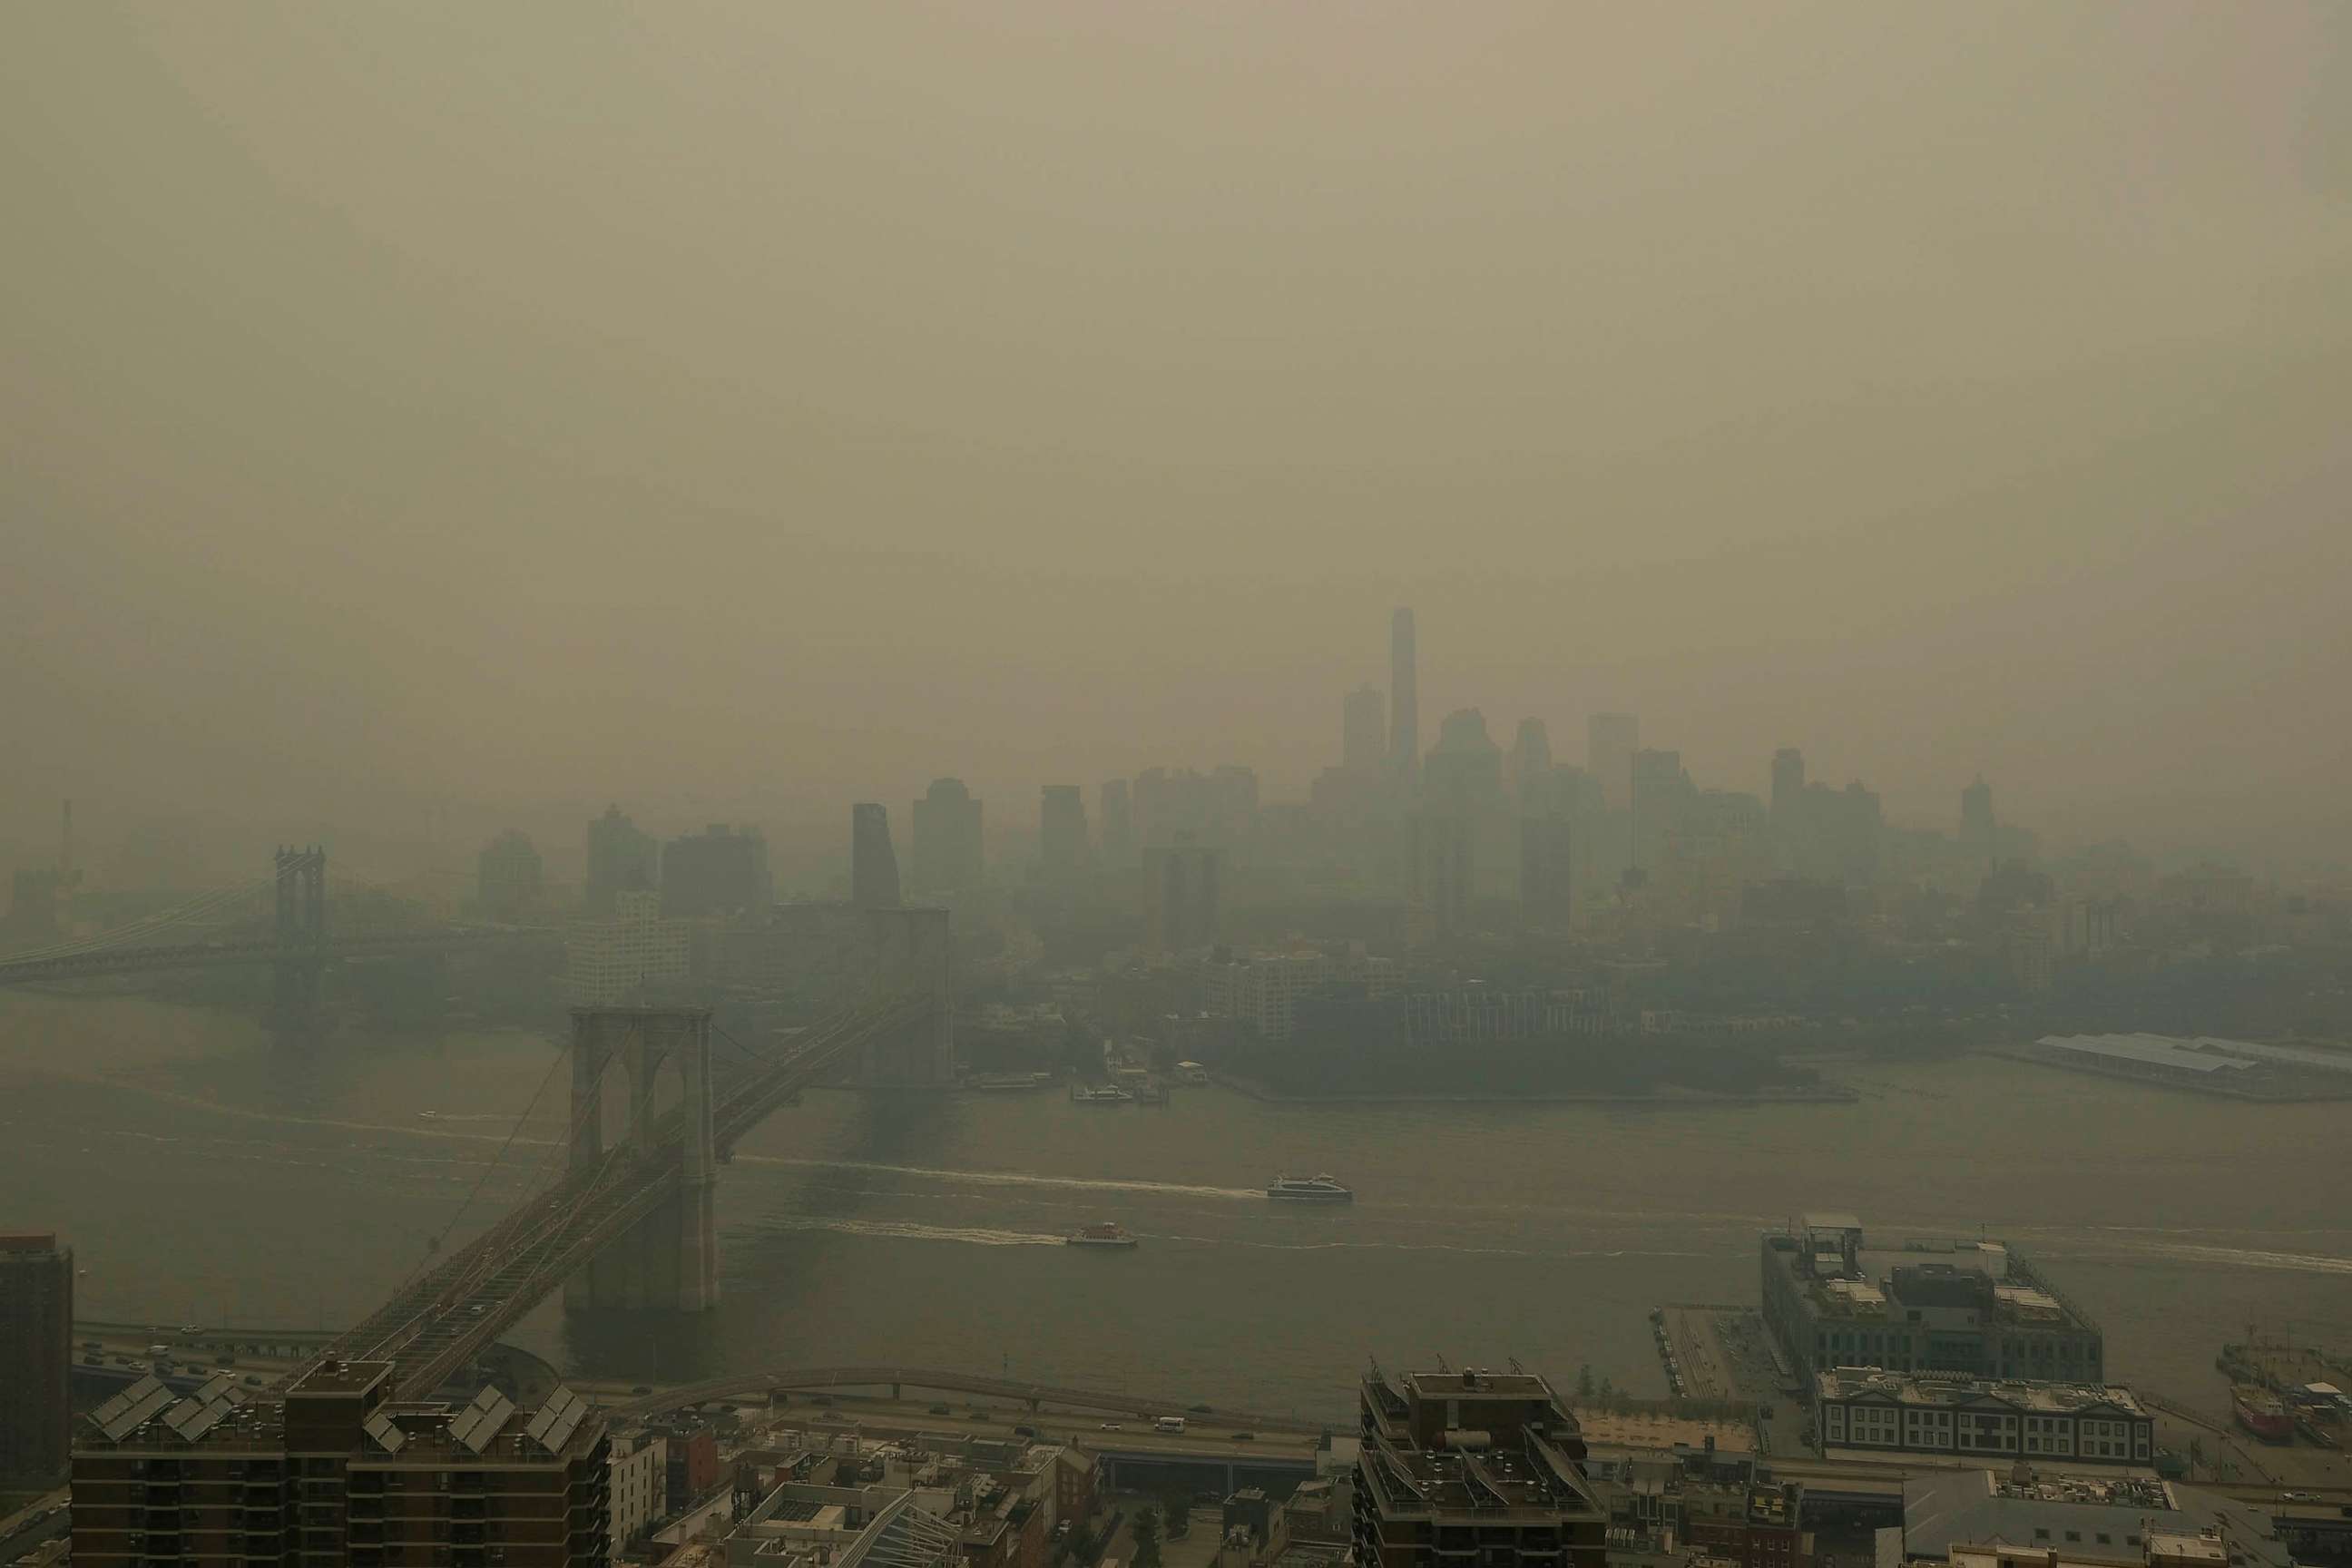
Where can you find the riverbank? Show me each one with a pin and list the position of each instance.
(1815, 1094)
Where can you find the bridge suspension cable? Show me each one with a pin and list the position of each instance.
(135, 932)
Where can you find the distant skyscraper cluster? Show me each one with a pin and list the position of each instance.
(946, 840)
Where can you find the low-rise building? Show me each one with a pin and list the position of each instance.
(640, 1481)
(2110, 1521)
(1974, 1308)
(1864, 1407)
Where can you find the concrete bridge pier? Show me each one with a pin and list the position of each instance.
(670, 1259)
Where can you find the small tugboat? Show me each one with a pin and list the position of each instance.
(1308, 1189)
(1105, 1094)
(1108, 1234)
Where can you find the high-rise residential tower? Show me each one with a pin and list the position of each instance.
(947, 838)
(1473, 1466)
(873, 863)
(37, 1278)
(1404, 701)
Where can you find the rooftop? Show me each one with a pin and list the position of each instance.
(1932, 1388)
(1472, 1383)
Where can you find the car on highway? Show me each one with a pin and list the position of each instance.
(2298, 1497)
(642, 1389)
(940, 1410)
(1025, 1431)
(1244, 1437)
(252, 1380)
(979, 1415)
(1112, 1426)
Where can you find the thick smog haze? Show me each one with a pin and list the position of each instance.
(737, 411)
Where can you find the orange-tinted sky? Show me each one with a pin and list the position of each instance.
(737, 410)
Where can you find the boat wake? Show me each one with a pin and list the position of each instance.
(908, 1230)
(1012, 1178)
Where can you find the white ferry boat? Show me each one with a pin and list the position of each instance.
(1308, 1189)
(1104, 1094)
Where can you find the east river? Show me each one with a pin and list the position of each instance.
(204, 1172)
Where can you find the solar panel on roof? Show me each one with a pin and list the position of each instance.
(128, 1421)
(126, 1399)
(388, 1436)
(220, 1385)
(481, 1421)
(557, 1420)
(192, 1418)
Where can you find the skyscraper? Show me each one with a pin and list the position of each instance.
(1547, 864)
(508, 872)
(1788, 787)
(1061, 831)
(1530, 760)
(620, 858)
(1117, 823)
(1404, 701)
(873, 863)
(717, 871)
(1977, 831)
(1661, 791)
(36, 1356)
(1180, 896)
(946, 840)
(1610, 742)
(1363, 731)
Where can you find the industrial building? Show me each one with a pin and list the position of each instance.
(1927, 1413)
(1974, 1308)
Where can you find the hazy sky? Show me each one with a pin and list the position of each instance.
(737, 410)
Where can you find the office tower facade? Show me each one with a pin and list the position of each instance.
(1530, 767)
(1363, 731)
(1473, 1467)
(1610, 742)
(1061, 831)
(721, 870)
(1977, 835)
(620, 858)
(873, 863)
(336, 1472)
(1440, 856)
(37, 1278)
(1117, 823)
(946, 840)
(1180, 896)
(1787, 788)
(508, 876)
(1404, 701)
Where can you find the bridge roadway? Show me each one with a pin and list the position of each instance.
(441, 1319)
(106, 961)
